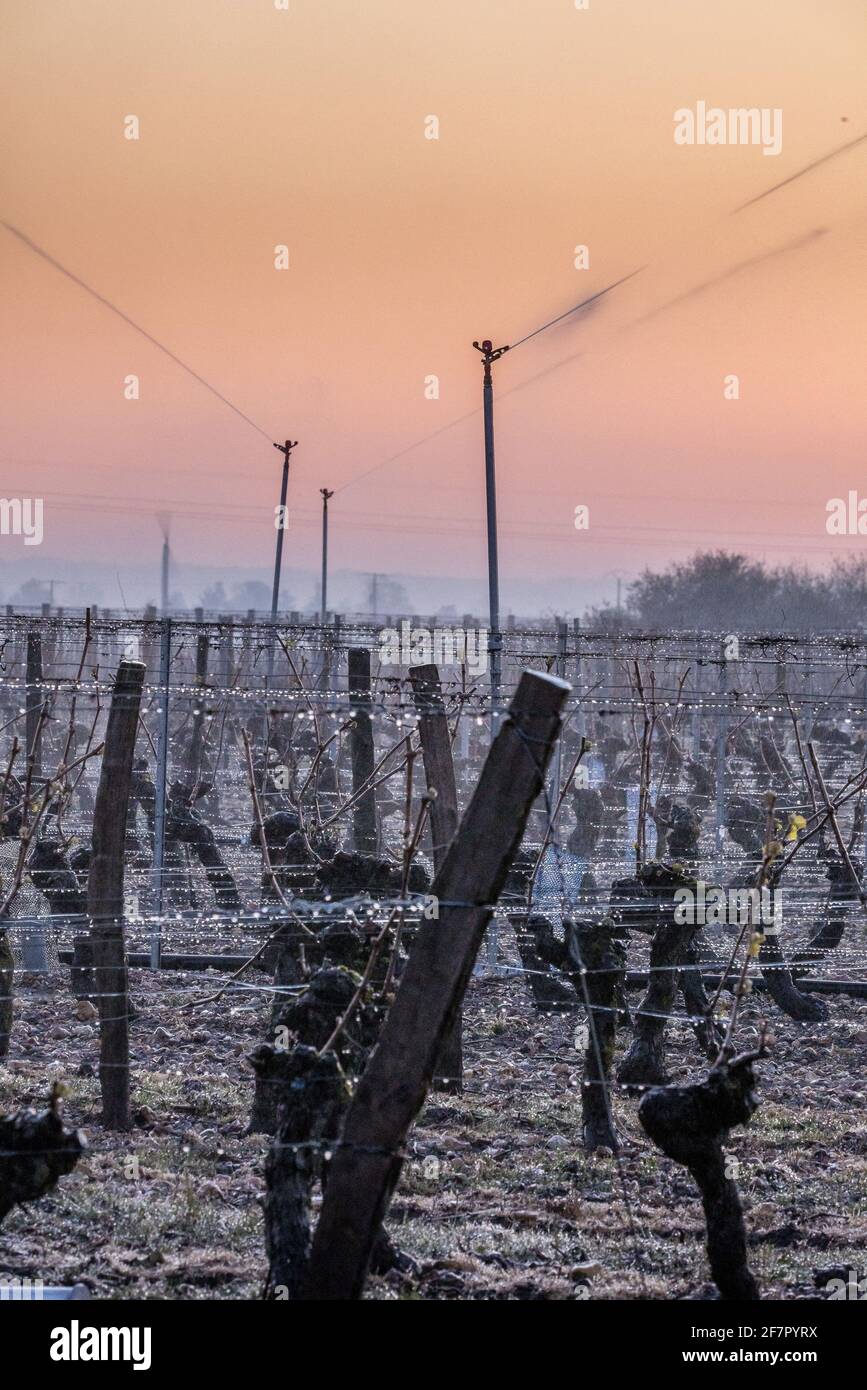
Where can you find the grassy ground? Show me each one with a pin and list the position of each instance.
(497, 1198)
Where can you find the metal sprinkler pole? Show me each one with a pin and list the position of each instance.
(164, 578)
(285, 450)
(323, 606)
(490, 354)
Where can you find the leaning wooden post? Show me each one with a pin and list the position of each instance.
(368, 1157)
(439, 771)
(362, 751)
(105, 892)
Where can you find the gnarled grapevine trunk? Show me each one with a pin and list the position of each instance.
(314, 1095)
(35, 1152)
(829, 932)
(309, 1018)
(644, 1063)
(600, 949)
(690, 1125)
(550, 994)
(185, 826)
(697, 1004)
(804, 1008)
(6, 998)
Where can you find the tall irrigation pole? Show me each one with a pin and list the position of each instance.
(285, 449)
(490, 354)
(323, 605)
(164, 578)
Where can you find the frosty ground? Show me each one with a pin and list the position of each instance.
(497, 1199)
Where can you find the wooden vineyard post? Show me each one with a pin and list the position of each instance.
(34, 703)
(148, 645)
(194, 752)
(368, 1158)
(722, 733)
(105, 893)
(439, 771)
(34, 943)
(227, 653)
(158, 863)
(362, 751)
(436, 750)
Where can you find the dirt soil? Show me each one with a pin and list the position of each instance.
(497, 1198)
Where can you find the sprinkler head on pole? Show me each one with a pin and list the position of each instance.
(287, 447)
(488, 351)
(489, 355)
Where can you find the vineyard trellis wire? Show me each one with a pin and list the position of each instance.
(272, 811)
(205, 682)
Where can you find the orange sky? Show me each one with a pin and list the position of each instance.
(306, 127)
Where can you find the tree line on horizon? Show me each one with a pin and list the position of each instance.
(721, 591)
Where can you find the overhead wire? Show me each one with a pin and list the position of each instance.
(121, 314)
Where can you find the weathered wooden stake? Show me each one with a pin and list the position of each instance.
(105, 893)
(34, 701)
(436, 750)
(227, 653)
(362, 751)
(439, 771)
(368, 1158)
(194, 752)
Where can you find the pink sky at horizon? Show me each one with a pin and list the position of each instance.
(306, 127)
